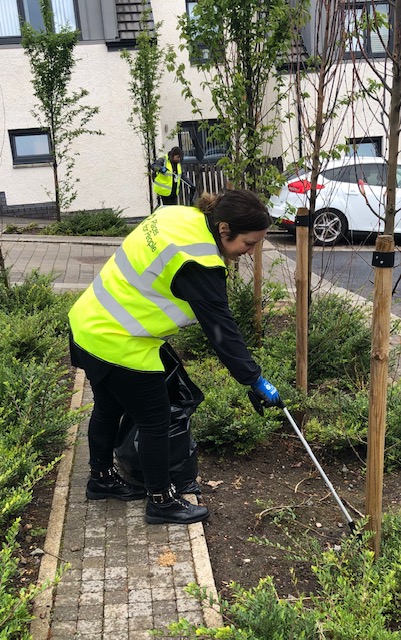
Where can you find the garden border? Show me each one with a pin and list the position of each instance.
(43, 603)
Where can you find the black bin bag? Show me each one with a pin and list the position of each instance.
(185, 397)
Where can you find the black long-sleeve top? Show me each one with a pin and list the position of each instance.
(205, 291)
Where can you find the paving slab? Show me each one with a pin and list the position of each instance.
(123, 576)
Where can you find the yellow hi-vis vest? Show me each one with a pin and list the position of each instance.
(163, 182)
(123, 316)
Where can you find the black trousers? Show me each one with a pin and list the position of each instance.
(144, 396)
(168, 200)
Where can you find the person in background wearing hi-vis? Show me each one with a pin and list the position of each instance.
(169, 272)
(168, 177)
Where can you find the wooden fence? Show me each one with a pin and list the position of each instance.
(209, 177)
(206, 177)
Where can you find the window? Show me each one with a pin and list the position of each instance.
(197, 143)
(372, 174)
(30, 146)
(360, 20)
(199, 53)
(14, 11)
(366, 146)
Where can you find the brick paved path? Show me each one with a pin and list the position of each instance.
(126, 577)
(74, 261)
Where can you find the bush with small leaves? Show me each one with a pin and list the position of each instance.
(105, 222)
(226, 419)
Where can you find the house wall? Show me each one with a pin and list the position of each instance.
(364, 119)
(110, 167)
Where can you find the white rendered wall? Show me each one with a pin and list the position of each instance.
(111, 168)
(365, 118)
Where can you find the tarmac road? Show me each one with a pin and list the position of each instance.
(348, 266)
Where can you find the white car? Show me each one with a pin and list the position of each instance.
(350, 198)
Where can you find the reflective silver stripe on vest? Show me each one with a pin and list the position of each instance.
(144, 284)
(145, 281)
(118, 312)
(163, 185)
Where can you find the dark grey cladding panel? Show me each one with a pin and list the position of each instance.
(129, 17)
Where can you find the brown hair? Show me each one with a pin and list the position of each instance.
(243, 211)
(175, 151)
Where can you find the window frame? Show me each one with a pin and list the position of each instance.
(198, 138)
(37, 159)
(16, 39)
(200, 53)
(352, 7)
(376, 141)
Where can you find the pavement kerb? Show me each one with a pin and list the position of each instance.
(40, 626)
(319, 283)
(20, 237)
(203, 571)
(43, 604)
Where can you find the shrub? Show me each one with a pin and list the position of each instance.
(31, 336)
(335, 413)
(339, 420)
(356, 596)
(226, 419)
(339, 341)
(34, 294)
(15, 605)
(19, 474)
(35, 392)
(33, 397)
(105, 222)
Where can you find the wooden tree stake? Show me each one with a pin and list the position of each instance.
(378, 386)
(302, 294)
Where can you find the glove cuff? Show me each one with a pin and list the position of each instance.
(258, 384)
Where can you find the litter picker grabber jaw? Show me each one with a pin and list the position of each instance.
(259, 407)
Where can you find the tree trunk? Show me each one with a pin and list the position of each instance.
(302, 299)
(257, 289)
(378, 389)
(4, 279)
(394, 125)
(382, 310)
(57, 190)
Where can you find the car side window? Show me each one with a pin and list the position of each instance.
(374, 174)
(338, 174)
(398, 176)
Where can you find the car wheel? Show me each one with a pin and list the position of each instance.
(329, 227)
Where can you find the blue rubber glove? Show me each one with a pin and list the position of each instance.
(266, 392)
(163, 170)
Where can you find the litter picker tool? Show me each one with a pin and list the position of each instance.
(259, 407)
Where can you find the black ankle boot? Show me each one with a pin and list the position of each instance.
(171, 508)
(109, 484)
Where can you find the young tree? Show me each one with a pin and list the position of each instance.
(146, 68)
(384, 91)
(319, 95)
(245, 41)
(51, 57)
